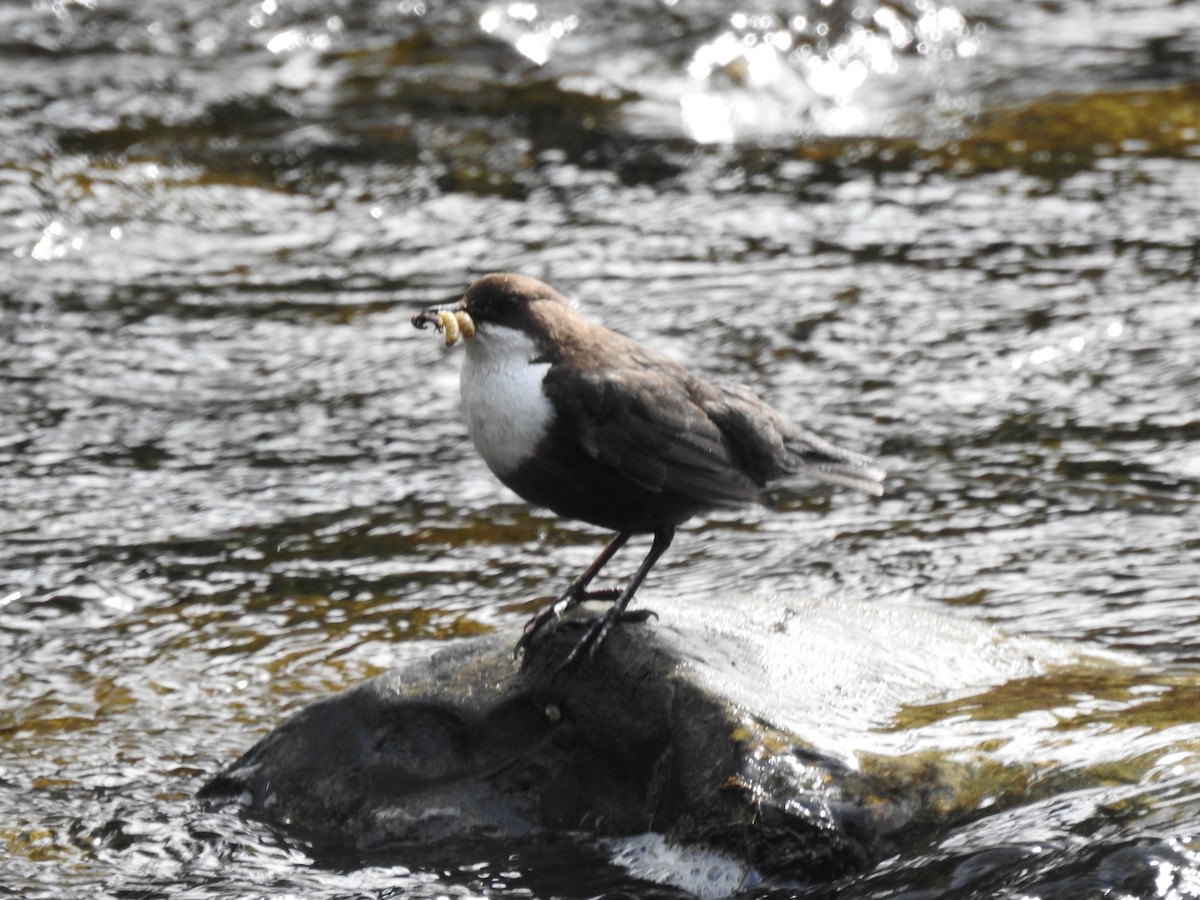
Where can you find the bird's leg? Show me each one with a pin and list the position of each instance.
(576, 593)
(595, 635)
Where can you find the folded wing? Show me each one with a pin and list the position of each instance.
(667, 430)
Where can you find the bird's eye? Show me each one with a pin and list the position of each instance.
(499, 305)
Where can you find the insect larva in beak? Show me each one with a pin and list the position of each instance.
(449, 323)
(465, 324)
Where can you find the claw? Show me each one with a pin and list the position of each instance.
(553, 612)
(595, 635)
(578, 592)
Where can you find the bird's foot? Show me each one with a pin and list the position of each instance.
(553, 612)
(592, 639)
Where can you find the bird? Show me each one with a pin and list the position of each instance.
(597, 427)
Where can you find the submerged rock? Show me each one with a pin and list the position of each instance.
(739, 726)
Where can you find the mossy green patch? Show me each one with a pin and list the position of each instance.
(1053, 137)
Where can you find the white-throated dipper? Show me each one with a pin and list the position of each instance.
(595, 426)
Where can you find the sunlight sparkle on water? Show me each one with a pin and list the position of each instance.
(707, 118)
(764, 73)
(1048, 353)
(514, 23)
(55, 243)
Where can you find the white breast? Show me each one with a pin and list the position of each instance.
(506, 410)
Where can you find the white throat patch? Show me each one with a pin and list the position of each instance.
(506, 410)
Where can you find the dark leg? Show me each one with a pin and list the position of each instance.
(599, 631)
(574, 594)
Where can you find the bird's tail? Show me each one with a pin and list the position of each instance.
(818, 458)
(866, 478)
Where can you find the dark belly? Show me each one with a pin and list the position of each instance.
(575, 486)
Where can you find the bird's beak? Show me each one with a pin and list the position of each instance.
(451, 321)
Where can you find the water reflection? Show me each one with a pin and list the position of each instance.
(767, 76)
(232, 479)
(519, 25)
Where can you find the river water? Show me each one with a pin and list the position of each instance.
(233, 478)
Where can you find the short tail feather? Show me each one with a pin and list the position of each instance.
(820, 459)
(868, 479)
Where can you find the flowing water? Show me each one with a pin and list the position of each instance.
(233, 479)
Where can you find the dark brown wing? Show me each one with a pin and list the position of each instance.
(667, 430)
(648, 418)
(768, 446)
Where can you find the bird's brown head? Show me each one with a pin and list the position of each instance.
(499, 300)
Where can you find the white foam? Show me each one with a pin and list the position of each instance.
(705, 873)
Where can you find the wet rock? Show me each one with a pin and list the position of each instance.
(739, 726)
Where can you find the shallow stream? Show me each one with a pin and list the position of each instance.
(233, 479)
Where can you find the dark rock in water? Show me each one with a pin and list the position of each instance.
(736, 726)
